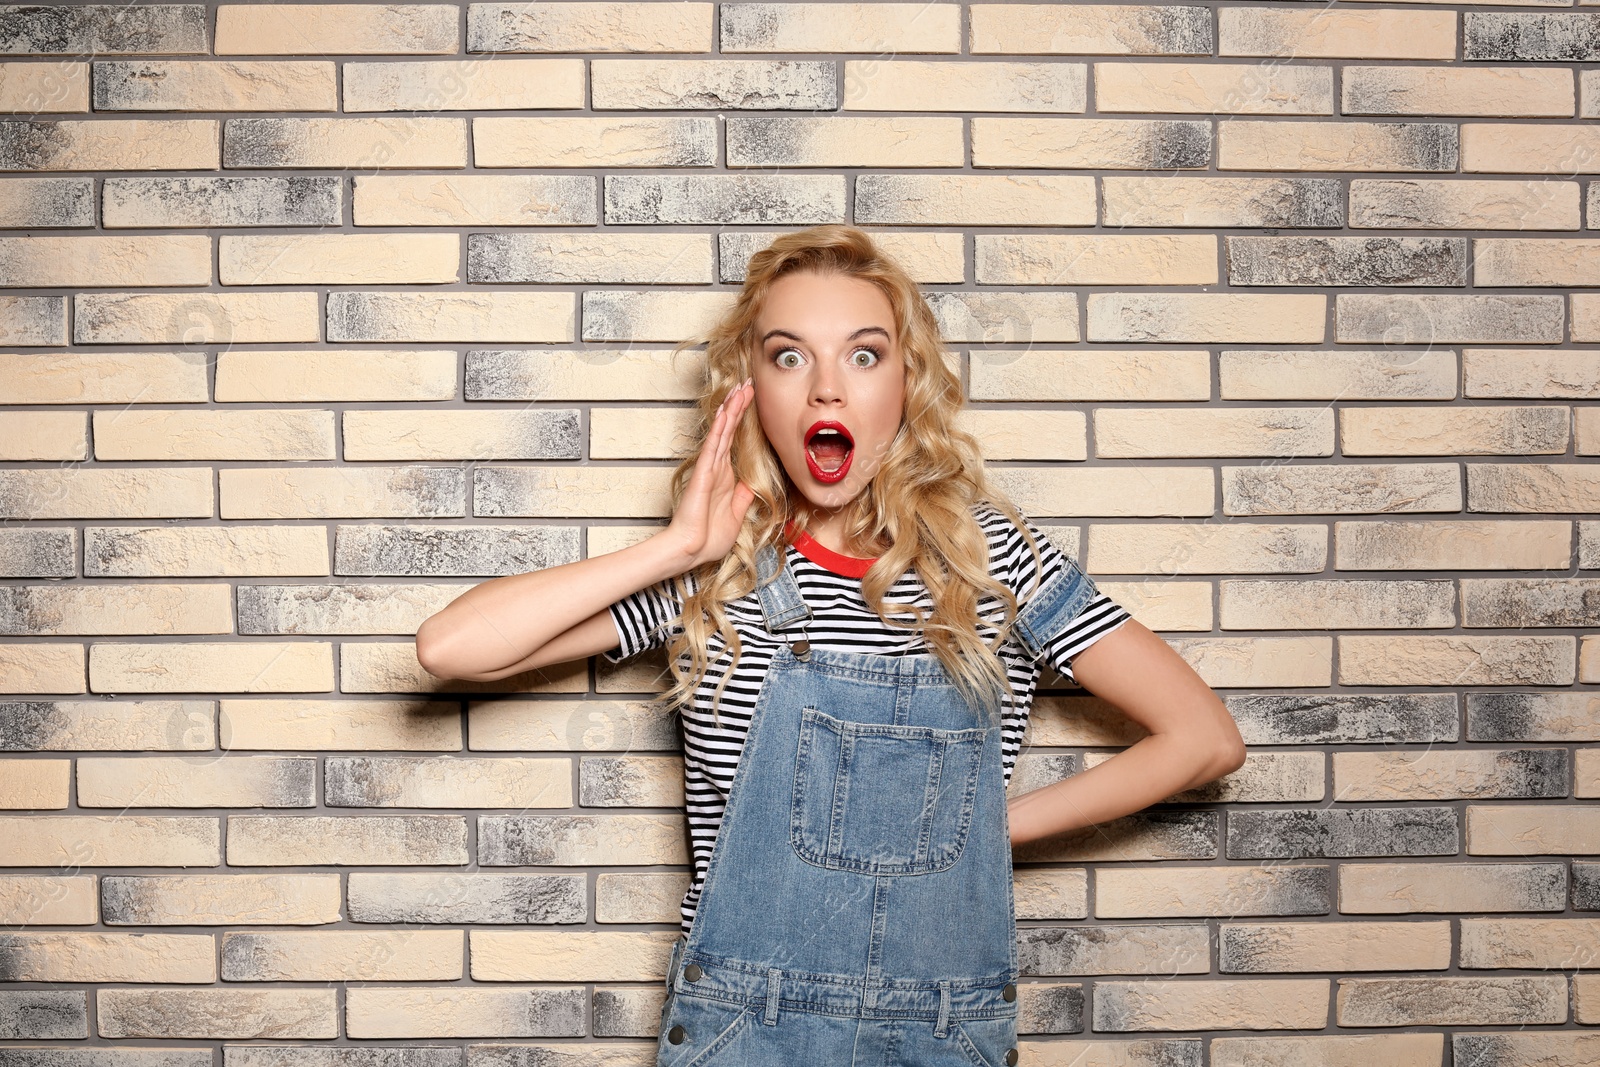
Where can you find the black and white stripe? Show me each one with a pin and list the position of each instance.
(840, 620)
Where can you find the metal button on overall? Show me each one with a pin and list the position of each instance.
(692, 973)
(676, 1036)
(1009, 992)
(1011, 1057)
(801, 650)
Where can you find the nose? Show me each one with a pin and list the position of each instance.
(827, 385)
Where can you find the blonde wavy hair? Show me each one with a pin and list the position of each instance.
(919, 501)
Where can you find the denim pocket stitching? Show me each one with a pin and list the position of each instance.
(721, 1041)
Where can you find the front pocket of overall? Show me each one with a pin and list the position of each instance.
(882, 799)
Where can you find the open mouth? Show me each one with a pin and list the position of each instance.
(829, 447)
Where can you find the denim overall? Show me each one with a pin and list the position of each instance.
(857, 909)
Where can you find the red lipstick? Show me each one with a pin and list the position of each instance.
(831, 446)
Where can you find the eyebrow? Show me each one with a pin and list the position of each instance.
(796, 337)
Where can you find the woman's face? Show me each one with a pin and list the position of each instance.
(829, 382)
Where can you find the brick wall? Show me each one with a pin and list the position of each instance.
(1279, 316)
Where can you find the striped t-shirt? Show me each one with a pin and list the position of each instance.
(841, 620)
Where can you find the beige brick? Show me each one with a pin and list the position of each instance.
(570, 956)
(109, 841)
(1586, 431)
(466, 1011)
(1447, 545)
(1209, 88)
(1090, 144)
(284, 434)
(1336, 146)
(1187, 548)
(580, 840)
(884, 28)
(33, 320)
(538, 433)
(88, 262)
(1585, 317)
(1344, 946)
(641, 433)
(638, 898)
(142, 493)
(343, 956)
(340, 492)
(43, 435)
(1103, 490)
(1589, 93)
(1445, 1000)
(1323, 488)
(1440, 774)
(77, 957)
(479, 200)
(1447, 319)
(1508, 261)
(84, 726)
(1341, 1051)
(630, 782)
(364, 144)
(1496, 148)
(561, 258)
(103, 377)
(589, 27)
(34, 784)
(290, 376)
(448, 783)
(1119, 374)
(1463, 205)
(207, 85)
(897, 141)
(1051, 894)
(1538, 942)
(1452, 660)
(48, 900)
(975, 200)
(1586, 773)
(622, 141)
(1488, 91)
(1137, 433)
(298, 899)
(1401, 888)
(491, 83)
(1091, 29)
(127, 144)
(195, 318)
(568, 726)
(1207, 317)
(471, 317)
(1532, 487)
(392, 667)
(226, 667)
(627, 315)
(1027, 435)
(197, 782)
(1005, 317)
(341, 725)
(1531, 829)
(202, 551)
(675, 84)
(1201, 892)
(31, 87)
(367, 840)
(1225, 202)
(1037, 259)
(1349, 375)
(474, 897)
(1213, 1004)
(1331, 34)
(934, 85)
(334, 29)
(218, 1013)
(722, 200)
(929, 257)
(1164, 606)
(1476, 431)
(339, 259)
(40, 668)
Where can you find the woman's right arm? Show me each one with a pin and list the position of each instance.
(513, 624)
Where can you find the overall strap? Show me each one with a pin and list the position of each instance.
(775, 585)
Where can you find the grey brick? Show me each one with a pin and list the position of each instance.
(723, 199)
(1298, 833)
(30, 320)
(1516, 603)
(1161, 949)
(1529, 717)
(46, 202)
(103, 29)
(468, 898)
(299, 200)
(628, 1012)
(1058, 1009)
(1326, 261)
(95, 725)
(1569, 36)
(1447, 319)
(1585, 886)
(1346, 719)
(37, 1014)
(308, 1056)
(439, 551)
(44, 552)
(106, 1057)
(1334, 489)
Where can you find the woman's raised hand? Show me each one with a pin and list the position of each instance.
(714, 502)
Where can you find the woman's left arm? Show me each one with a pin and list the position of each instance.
(1193, 739)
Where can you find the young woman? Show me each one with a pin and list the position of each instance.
(856, 623)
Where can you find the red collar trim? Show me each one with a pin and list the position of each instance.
(820, 554)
